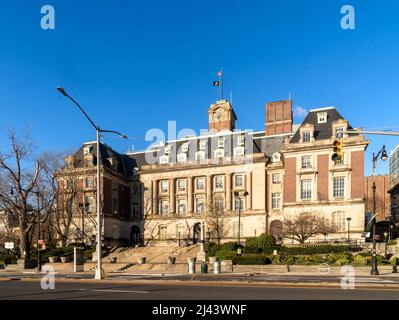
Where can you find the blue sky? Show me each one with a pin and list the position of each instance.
(135, 65)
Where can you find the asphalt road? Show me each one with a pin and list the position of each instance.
(31, 290)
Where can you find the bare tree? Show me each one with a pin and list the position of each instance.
(301, 228)
(150, 228)
(23, 194)
(215, 219)
(326, 227)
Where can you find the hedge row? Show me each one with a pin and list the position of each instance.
(331, 259)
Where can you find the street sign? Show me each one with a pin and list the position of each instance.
(9, 245)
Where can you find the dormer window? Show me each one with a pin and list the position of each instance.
(167, 149)
(221, 142)
(164, 159)
(238, 151)
(87, 150)
(219, 153)
(240, 140)
(181, 158)
(322, 117)
(306, 137)
(202, 144)
(339, 133)
(184, 147)
(200, 155)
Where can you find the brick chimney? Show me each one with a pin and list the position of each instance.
(278, 117)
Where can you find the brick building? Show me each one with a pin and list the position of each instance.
(244, 183)
(382, 196)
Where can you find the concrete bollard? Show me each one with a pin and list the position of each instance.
(216, 267)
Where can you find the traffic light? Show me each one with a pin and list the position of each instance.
(338, 154)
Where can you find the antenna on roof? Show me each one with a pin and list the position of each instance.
(231, 97)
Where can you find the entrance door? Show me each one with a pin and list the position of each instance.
(197, 233)
(135, 235)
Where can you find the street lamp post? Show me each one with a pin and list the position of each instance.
(349, 227)
(99, 270)
(384, 156)
(238, 198)
(386, 243)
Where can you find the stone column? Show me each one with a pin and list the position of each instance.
(172, 196)
(249, 190)
(190, 194)
(155, 196)
(208, 188)
(201, 253)
(228, 192)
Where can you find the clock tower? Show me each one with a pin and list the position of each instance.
(221, 116)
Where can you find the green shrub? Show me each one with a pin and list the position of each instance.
(340, 258)
(224, 255)
(230, 246)
(252, 259)
(361, 260)
(289, 260)
(265, 241)
(211, 248)
(394, 261)
(277, 259)
(316, 249)
(317, 259)
(392, 242)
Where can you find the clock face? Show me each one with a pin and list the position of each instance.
(219, 114)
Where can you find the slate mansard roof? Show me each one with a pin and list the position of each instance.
(125, 166)
(322, 131)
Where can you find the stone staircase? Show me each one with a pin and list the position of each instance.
(156, 258)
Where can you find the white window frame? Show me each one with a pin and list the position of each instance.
(87, 150)
(200, 156)
(182, 158)
(339, 187)
(308, 163)
(276, 180)
(242, 180)
(181, 204)
(306, 134)
(164, 159)
(221, 141)
(163, 232)
(162, 184)
(167, 149)
(322, 117)
(276, 200)
(219, 153)
(203, 183)
(239, 151)
(164, 207)
(89, 204)
(306, 189)
(339, 132)
(199, 202)
(182, 187)
(184, 147)
(203, 144)
(240, 140)
(220, 182)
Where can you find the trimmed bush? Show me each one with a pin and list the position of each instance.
(230, 246)
(224, 255)
(252, 259)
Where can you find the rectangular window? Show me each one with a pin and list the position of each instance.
(276, 178)
(135, 207)
(200, 156)
(219, 153)
(181, 184)
(89, 204)
(164, 207)
(221, 142)
(163, 232)
(339, 187)
(238, 180)
(219, 182)
(306, 136)
(322, 117)
(180, 230)
(239, 204)
(203, 144)
(200, 183)
(164, 186)
(276, 200)
(89, 183)
(239, 151)
(69, 184)
(182, 206)
(184, 147)
(115, 186)
(339, 133)
(338, 220)
(115, 206)
(306, 189)
(199, 205)
(164, 159)
(181, 158)
(306, 162)
(240, 140)
(219, 203)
